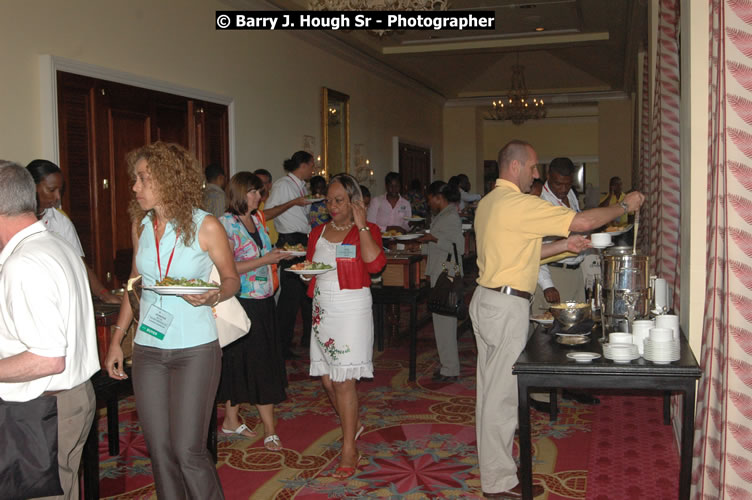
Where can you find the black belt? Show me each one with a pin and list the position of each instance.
(508, 290)
(565, 266)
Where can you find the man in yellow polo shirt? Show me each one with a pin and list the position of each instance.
(510, 227)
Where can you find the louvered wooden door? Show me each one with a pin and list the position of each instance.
(99, 123)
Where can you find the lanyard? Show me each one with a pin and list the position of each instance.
(545, 186)
(156, 242)
(302, 189)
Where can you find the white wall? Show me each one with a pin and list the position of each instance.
(274, 78)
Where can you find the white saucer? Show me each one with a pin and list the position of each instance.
(583, 357)
(600, 247)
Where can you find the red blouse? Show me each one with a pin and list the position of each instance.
(351, 273)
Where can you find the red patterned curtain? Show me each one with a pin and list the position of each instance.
(660, 217)
(723, 434)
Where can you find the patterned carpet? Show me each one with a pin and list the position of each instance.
(419, 442)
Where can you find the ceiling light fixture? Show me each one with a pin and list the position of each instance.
(517, 106)
(383, 5)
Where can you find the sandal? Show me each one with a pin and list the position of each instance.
(240, 430)
(347, 472)
(360, 431)
(272, 443)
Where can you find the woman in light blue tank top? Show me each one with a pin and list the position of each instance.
(176, 357)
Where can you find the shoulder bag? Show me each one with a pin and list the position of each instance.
(28, 456)
(447, 296)
(232, 321)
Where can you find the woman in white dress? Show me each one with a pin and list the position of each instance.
(342, 332)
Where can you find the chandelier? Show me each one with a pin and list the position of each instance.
(518, 107)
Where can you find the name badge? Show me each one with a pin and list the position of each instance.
(346, 252)
(156, 322)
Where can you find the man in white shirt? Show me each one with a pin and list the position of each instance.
(289, 208)
(561, 280)
(48, 340)
(390, 211)
(466, 197)
(215, 200)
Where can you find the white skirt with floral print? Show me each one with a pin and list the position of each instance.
(342, 333)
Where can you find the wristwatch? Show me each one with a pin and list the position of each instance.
(624, 206)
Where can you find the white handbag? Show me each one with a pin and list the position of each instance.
(232, 321)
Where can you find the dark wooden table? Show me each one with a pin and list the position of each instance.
(383, 295)
(544, 365)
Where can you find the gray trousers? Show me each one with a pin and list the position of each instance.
(175, 391)
(500, 324)
(445, 330)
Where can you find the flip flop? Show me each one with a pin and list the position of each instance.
(277, 444)
(240, 430)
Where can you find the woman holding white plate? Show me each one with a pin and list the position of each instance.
(253, 367)
(342, 332)
(176, 357)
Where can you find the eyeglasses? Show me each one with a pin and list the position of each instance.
(336, 201)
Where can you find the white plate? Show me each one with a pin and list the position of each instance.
(385, 237)
(180, 290)
(467, 227)
(621, 231)
(583, 357)
(294, 253)
(414, 219)
(312, 271)
(405, 237)
(314, 200)
(599, 247)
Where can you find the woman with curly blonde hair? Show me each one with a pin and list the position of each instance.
(176, 357)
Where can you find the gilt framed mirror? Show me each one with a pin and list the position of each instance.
(335, 131)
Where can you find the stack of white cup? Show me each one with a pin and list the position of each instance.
(641, 331)
(669, 321)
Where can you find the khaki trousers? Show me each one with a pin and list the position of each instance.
(75, 413)
(500, 324)
(571, 286)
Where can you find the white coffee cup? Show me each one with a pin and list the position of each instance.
(669, 321)
(620, 338)
(658, 334)
(600, 239)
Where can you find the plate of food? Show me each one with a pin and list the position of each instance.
(308, 267)
(295, 250)
(313, 198)
(545, 318)
(411, 236)
(415, 218)
(181, 286)
(617, 230)
(392, 233)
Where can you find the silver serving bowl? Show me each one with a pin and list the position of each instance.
(570, 313)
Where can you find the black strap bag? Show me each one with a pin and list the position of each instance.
(447, 296)
(28, 455)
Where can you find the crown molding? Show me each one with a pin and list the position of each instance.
(332, 45)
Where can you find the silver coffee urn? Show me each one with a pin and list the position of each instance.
(625, 288)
